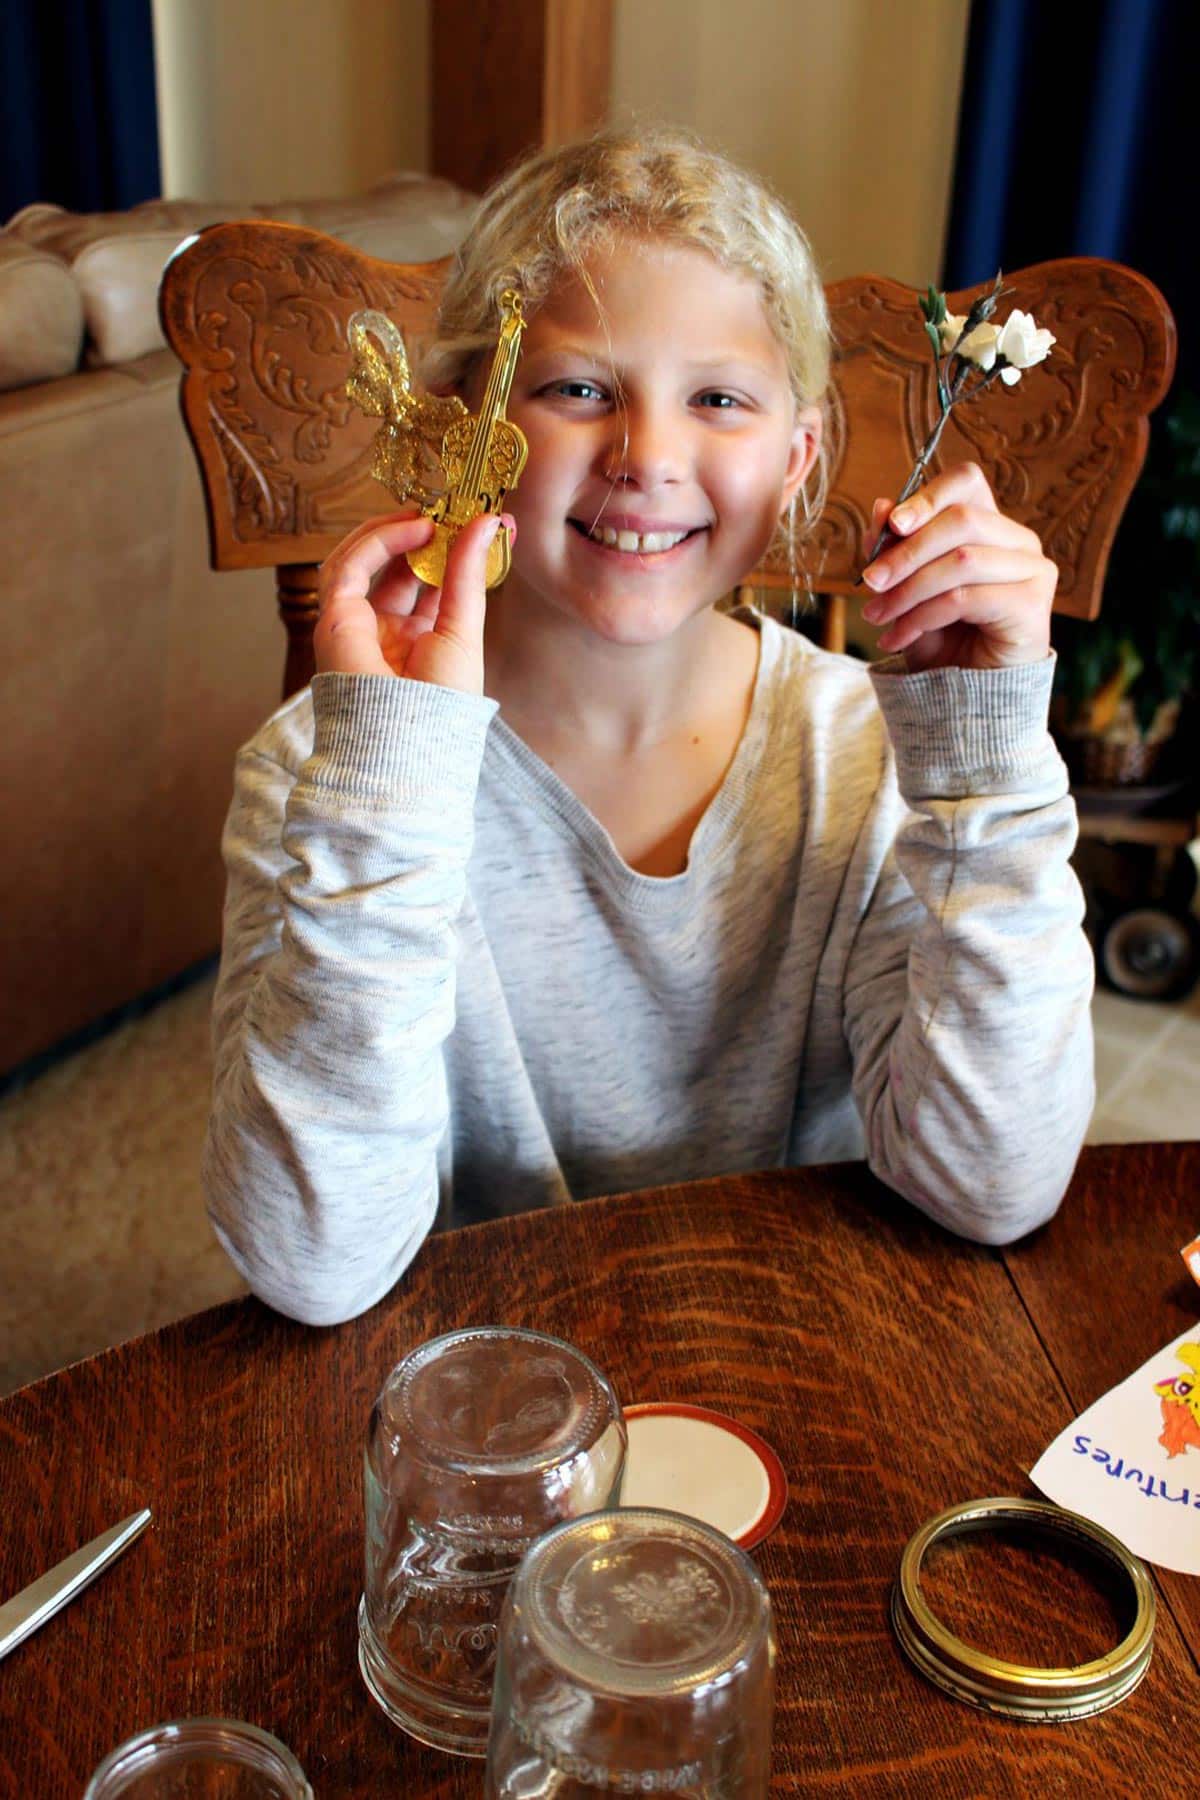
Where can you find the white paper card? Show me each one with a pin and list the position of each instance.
(1131, 1462)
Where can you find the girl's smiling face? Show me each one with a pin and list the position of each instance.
(664, 442)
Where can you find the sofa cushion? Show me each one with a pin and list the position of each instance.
(68, 234)
(41, 316)
(118, 258)
(405, 218)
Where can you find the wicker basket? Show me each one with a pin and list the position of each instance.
(1121, 755)
(1101, 762)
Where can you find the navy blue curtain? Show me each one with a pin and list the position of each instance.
(1077, 137)
(78, 119)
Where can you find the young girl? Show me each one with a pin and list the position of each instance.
(584, 885)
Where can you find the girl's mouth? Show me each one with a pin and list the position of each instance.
(634, 543)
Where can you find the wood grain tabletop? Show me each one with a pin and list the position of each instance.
(894, 1368)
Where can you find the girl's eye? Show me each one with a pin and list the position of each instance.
(575, 388)
(718, 400)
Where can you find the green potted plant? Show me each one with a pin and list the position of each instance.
(1127, 683)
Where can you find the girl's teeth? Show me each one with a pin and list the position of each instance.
(648, 543)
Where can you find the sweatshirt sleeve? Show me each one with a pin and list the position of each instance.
(969, 986)
(345, 879)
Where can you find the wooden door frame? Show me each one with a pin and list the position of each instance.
(510, 75)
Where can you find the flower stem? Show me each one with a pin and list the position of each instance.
(950, 392)
(917, 473)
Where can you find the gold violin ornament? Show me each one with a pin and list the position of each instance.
(456, 464)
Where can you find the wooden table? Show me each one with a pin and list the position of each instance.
(894, 1368)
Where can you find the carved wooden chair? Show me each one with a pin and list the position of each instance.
(257, 312)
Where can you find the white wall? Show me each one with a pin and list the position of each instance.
(279, 99)
(848, 107)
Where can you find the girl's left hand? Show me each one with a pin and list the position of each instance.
(965, 587)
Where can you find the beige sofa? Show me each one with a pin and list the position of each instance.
(131, 672)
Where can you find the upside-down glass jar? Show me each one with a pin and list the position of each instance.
(636, 1656)
(479, 1442)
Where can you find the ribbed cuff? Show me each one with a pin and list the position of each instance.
(384, 737)
(966, 731)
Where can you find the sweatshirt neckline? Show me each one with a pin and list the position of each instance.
(726, 812)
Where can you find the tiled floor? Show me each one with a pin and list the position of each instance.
(104, 1230)
(1147, 1070)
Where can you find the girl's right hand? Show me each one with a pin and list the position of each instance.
(376, 618)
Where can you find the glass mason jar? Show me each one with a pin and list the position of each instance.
(480, 1441)
(636, 1656)
(200, 1759)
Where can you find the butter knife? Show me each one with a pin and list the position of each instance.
(21, 1616)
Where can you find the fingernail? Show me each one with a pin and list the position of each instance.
(872, 610)
(510, 525)
(875, 577)
(902, 518)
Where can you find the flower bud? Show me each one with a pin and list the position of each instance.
(979, 348)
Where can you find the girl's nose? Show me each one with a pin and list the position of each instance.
(647, 449)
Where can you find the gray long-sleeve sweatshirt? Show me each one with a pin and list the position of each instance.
(443, 994)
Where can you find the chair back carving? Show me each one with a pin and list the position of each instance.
(258, 312)
(1062, 448)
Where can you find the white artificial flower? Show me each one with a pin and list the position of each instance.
(1022, 342)
(979, 348)
(949, 329)
(1005, 351)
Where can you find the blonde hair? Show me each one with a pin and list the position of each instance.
(557, 207)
